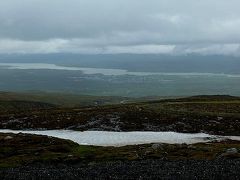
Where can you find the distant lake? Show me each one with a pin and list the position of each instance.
(109, 72)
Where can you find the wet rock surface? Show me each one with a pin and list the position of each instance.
(145, 169)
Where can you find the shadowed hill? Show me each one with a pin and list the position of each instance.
(60, 99)
(13, 106)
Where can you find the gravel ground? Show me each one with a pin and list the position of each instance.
(145, 169)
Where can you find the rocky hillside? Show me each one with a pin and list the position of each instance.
(211, 114)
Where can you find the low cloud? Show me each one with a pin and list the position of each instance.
(120, 26)
(208, 49)
(89, 46)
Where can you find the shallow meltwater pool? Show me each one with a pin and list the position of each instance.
(105, 138)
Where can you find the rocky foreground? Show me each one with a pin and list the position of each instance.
(144, 169)
(40, 157)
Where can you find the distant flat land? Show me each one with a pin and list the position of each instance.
(113, 82)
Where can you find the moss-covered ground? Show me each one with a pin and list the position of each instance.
(21, 149)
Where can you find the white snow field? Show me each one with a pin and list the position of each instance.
(105, 138)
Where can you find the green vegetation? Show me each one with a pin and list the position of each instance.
(211, 114)
(60, 99)
(22, 106)
(20, 149)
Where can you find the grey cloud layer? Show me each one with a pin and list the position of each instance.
(118, 26)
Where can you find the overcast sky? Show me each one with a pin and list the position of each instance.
(120, 26)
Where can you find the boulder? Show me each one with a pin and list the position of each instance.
(230, 153)
(157, 146)
(8, 138)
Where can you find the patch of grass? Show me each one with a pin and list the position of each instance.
(27, 149)
(214, 115)
(61, 99)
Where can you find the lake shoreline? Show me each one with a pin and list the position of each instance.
(104, 71)
(117, 139)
